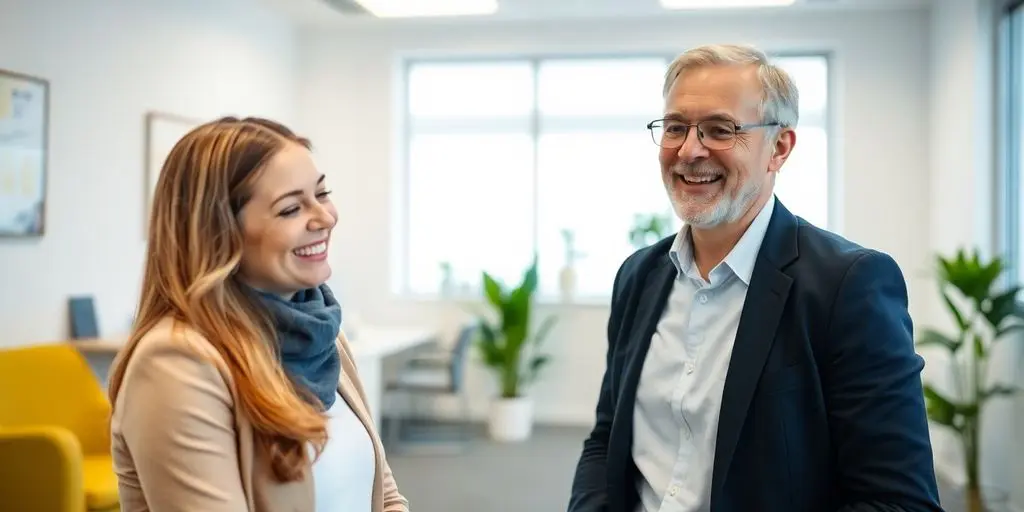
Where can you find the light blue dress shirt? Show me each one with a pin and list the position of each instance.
(679, 397)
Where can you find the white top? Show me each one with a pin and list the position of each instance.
(343, 476)
(679, 397)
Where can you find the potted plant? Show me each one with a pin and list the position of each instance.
(511, 349)
(649, 228)
(983, 316)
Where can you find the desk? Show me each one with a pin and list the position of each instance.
(98, 346)
(370, 345)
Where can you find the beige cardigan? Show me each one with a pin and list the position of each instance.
(179, 443)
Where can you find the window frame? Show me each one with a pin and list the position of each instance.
(1009, 104)
(400, 277)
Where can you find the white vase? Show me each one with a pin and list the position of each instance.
(511, 419)
(447, 287)
(567, 283)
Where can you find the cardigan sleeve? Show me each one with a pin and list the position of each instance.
(392, 499)
(176, 420)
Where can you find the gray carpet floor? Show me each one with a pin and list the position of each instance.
(490, 477)
(533, 476)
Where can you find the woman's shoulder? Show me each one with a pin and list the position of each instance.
(174, 345)
(172, 373)
(174, 335)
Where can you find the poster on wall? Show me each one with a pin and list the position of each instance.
(24, 126)
(163, 131)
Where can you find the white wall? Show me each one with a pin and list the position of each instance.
(349, 79)
(108, 61)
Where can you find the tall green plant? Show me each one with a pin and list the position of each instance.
(507, 345)
(982, 316)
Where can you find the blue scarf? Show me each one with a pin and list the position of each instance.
(307, 330)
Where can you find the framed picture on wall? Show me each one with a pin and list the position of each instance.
(163, 131)
(24, 137)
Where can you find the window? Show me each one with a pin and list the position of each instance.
(596, 164)
(504, 157)
(803, 183)
(1010, 142)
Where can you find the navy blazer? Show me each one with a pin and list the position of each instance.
(823, 407)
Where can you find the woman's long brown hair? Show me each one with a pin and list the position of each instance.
(194, 249)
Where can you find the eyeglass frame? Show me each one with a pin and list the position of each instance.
(737, 129)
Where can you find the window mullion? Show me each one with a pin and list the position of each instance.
(535, 133)
(1012, 191)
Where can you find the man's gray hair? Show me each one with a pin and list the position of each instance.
(780, 99)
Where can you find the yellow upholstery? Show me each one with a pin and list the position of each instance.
(54, 433)
(100, 483)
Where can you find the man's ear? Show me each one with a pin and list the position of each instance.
(785, 141)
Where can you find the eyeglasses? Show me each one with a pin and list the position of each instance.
(714, 134)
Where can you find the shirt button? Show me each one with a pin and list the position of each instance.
(673, 490)
(703, 299)
(689, 368)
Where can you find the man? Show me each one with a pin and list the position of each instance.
(755, 363)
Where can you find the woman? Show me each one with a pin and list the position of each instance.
(237, 390)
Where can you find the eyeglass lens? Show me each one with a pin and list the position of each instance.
(714, 134)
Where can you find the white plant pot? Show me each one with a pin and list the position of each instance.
(511, 419)
(567, 283)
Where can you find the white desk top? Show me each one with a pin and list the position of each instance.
(374, 341)
(368, 341)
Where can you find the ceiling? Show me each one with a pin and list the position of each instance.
(322, 13)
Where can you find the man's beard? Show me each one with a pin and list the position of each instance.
(727, 208)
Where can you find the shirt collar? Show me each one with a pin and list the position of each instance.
(743, 255)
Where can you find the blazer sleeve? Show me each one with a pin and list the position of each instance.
(589, 491)
(177, 420)
(393, 500)
(873, 391)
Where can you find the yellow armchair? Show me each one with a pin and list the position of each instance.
(54, 433)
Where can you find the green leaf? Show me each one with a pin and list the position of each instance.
(979, 347)
(961, 321)
(536, 364)
(972, 278)
(529, 282)
(940, 410)
(930, 337)
(488, 344)
(493, 291)
(1001, 307)
(998, 391)
(544, 330)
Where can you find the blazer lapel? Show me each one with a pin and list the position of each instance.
(653, 292)
(762, 310)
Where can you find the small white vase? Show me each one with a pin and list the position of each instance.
(511, 419)
(447, 287)
(567, 283)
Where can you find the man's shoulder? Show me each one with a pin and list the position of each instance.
(826, 253)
